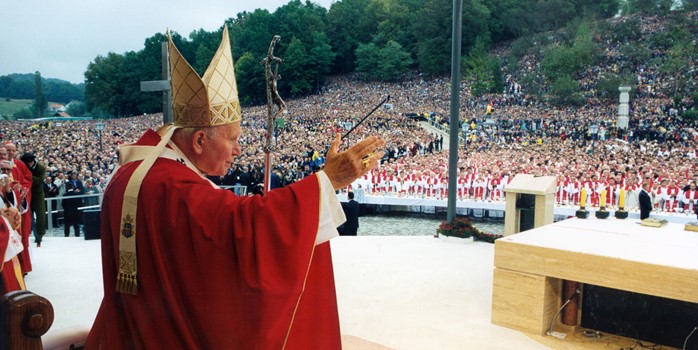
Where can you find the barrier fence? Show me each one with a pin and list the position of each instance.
(54, 207)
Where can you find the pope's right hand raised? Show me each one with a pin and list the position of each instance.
(342, 168)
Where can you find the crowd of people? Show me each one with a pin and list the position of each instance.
(505, 134)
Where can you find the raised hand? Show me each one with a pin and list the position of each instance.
(344, 167)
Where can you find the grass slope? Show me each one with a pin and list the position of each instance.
(8, 108)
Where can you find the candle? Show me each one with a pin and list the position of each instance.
(621, 201)
(583, 198)
(603, 199)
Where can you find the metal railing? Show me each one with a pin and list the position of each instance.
(50, 201)
(50, 211)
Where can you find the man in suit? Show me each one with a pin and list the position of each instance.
(77, 183)
(71, 213)
(351, 211)
(645, 201)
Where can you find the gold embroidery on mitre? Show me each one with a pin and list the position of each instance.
(208, 101)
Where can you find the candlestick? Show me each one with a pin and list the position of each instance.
(602, 214)
(621, 200)
(582, 213)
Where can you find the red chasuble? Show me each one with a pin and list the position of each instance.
(216, 271)
(23, 175)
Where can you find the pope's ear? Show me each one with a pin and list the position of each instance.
(198, 140)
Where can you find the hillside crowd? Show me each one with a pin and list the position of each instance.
(581, 146)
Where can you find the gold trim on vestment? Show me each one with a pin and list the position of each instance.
(310, 262)
(127, 281)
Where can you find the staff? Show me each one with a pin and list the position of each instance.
(273, 98)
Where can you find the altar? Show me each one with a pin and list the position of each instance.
(621, 254)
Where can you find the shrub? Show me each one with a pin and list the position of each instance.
(462, 227)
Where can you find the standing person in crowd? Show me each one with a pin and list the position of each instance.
(38, 203)
(189, 265)
(77, 183)
(51, 191)
(645, 199)
(71, 213)
(23, 183)
(351, 211)
(60, 181)
(690, 198)
(90, 188)
(275, 181)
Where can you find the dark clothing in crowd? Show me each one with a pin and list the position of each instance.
(275, 181)
(71, 214)
(351, 226)
(645, 204)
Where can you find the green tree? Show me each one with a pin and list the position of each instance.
(386, 64)
(674, 64)
(298, 20)
(607, 87)
(344, 32)
(394, 62)
(76, 108)
(296, 79)
(367, 58)
(5, 81)
(482, 70)
(396, 16)
(648, 7)
(104, 84)
(565, 91)
(250, 79)
(320, 58)
(434, 27)
(24, 113)
(568, 60)
(206, 44)
(689, 5)
(40, 102)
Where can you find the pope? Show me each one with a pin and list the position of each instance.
(187, 265)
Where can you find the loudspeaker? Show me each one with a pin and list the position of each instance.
(91, 223)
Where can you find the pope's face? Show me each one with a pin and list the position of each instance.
(220, 151)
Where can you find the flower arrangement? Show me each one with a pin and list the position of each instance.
(462, 227)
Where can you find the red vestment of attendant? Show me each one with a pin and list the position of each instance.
(22, 174)
(9, 276)
(216, 271)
